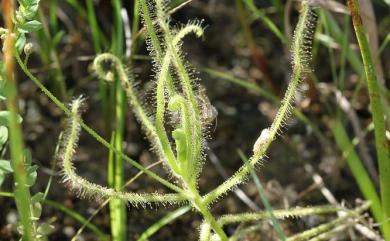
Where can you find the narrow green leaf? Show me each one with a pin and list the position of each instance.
(267, 21)
(357, 168)
(164, 221)
(57, 37)
(276, 225)
(78, 217)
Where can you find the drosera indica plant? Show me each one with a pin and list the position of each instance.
(177, 94)
(178, 97)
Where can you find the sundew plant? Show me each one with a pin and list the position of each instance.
(179, 102)
(177, 128)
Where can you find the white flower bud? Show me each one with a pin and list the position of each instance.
(28, 48)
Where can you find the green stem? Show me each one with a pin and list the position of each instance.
(324, 227)
(163, 221)
(117, 207)
(50, 57)
(94, 26)
(358, 170)
(135, 27)
(22, 192)
(160, 114)
(155, 41)
(78, 217)
(374, 89)
(185, 82)
(53, 15)
(276, 225)
(279, 214)
(97, 47)
(199, 203)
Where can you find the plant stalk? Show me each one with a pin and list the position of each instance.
(118, 207)
(199, 203)
(382, 147)
(22, 193)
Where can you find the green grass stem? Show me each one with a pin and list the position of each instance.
(357, 168)
(376, 104)
(324, 228)
(267, 21)
(118, 207)
(97, 44)
(79, 218)
(163, 221)
(275, 223)
(53, 15)
(49, 57)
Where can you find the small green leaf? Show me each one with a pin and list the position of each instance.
(30, 26)
(31, 175)
(36, 211)
(4, 117)
(45, 229)
(32, 10)
(21, 42)
(5, 166)
(25, 3)
(3, 135)
(38, 197)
